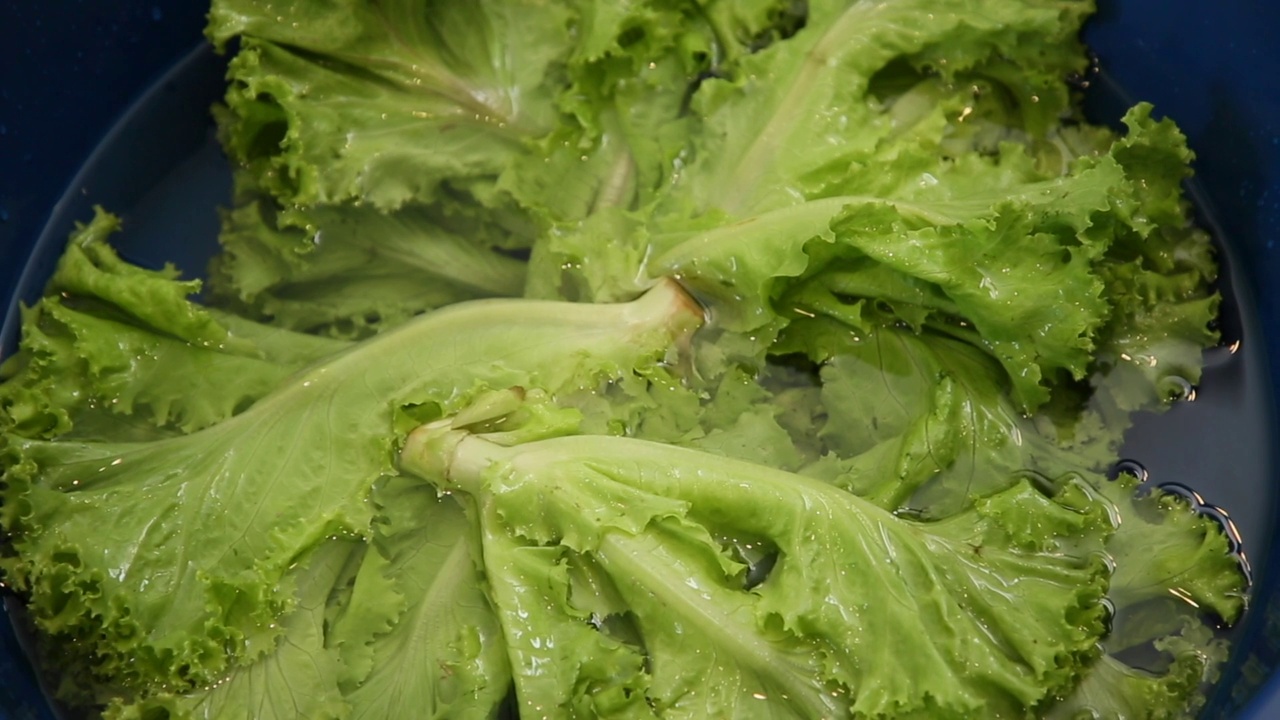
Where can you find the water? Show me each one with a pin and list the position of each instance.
(1212, 447)
(1213, 450)
(1214, 443)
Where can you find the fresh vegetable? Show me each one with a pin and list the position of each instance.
(163, 559)
(674, 358)
(1002, 600)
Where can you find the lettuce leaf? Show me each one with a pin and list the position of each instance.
(799, 106)
(157, 561)
(1022, 262)
(1001, 604)
(112, 338)
(346, 271)
(296, 678)
(934, 298)
(383, 103)
(417, 637)
(413, 636)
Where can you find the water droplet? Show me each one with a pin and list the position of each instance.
(4, 130)
(157, 14)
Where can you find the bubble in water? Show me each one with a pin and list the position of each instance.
(1041, 482)
(1195, 499)
(1228, 525)
(1128, 467)
(1235, 542)
(759, 571)
(1175, 388)
(1108, 622)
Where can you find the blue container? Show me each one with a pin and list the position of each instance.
(107, 103)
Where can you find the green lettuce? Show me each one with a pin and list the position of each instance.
(349, 271)
(110, 544)
(819, 636)
(335, 101)
(396, 628)
(668, 358)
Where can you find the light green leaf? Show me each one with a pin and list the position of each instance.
(385, 103)
(441, 655)
(297, 678)
(188, 536)
(1002, 604)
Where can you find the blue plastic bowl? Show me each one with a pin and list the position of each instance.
(107, 103)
